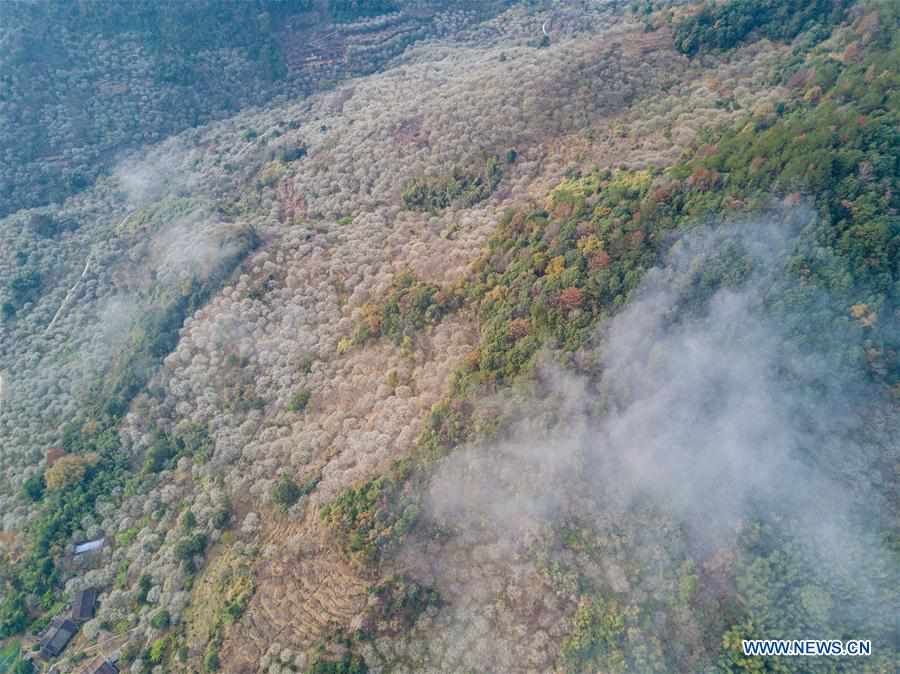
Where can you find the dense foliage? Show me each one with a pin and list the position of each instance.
(554, 270)
(350, 10)
(140, 72)
(41, 39)
(836, 139)
(287, 492)
(59, 515)
(370, 518)
(25, 287)
(299, 400)
(155, 333)
(12, 661)
(166, 25)
(348, 664)
(94, 467)
(606, 635)
(725, 25)
(398, 603)
(461, 187)
(409, 306)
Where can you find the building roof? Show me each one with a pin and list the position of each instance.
(101, 665)
(89, 546)
(57, 637)
(83, 604)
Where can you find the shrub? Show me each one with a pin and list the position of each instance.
(287, 492)
(25, 287)
(221, 518)
(211, 658)
(299, 400)
(47, 226)
(13, 614)
(34, 487)
(606, 636)
(22, 667)
(144, 585)
(399, 601)
(570, 298)
(160, 620)
(188, 520)
(158, 454)
(292, 154)
(463, 187)
(157, 650)
(351, 10)
(238, 592)
(188, 547)
(348, 664)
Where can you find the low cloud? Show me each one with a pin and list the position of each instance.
(164, 169)
(702, 405)
(193, 246)
(706, 406)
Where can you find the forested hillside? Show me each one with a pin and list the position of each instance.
(84, 81)
(560, 337)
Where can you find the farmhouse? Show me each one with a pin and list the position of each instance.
(100, 665)
(83, 605)
(57, 637)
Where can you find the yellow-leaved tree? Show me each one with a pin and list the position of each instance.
(68, 470)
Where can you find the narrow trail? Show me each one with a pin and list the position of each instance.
(69, 294)
(72, 290)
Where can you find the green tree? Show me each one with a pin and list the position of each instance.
(160, 620)
(286, 493)
(34, 487)
(13, 614)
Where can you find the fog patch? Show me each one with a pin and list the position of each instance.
(194, 246)
(164, 169)
(700, 405)
(707, 407)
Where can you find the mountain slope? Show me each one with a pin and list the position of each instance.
(84, 82)
(515, 356)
